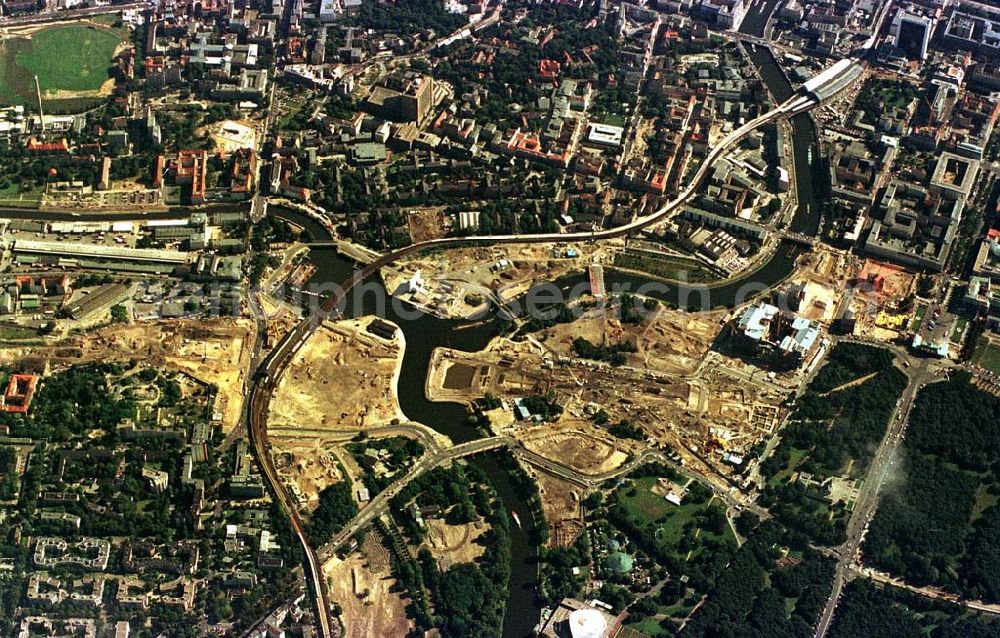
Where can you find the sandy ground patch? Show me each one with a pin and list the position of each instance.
(221, 359)
(455, 283)
(230, 136)
(343, 377)
(583, 452)
(454, 544)
(561, 503)
(362, 585)
(306, 466)
(426, 223)
(670, 341)
(214, 351)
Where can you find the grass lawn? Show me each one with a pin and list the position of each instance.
(13, 196)
(648, 626)
(918, 320)
(72, 57)
(960, 325)
(984, 500)
(665, 267)
(795, 458)
(68, 57)
(12, 333)
(13, 190)
(987, 355)
(614, 119)
(107, 19)
(669, 519)
(644, 504)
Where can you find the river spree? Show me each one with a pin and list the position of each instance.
(424, 333)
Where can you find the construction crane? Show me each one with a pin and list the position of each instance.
(41, 115)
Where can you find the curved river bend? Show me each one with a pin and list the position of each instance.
(424, 333)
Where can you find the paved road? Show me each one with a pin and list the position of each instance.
(72, 14)
(377, 506)
(919, 372)
(430, 439)
(279, 358)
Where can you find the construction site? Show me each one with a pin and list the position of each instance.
(215, 351)
(561, 504)
(307, 465)
(460, 282)
(343, 378)
(454, 544)
(710, 408)
(669, 341)
(880, 302)
(363, 586)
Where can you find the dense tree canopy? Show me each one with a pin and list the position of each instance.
(939, 524)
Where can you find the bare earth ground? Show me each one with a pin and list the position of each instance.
(231, 135)
(426, 223)
(343, 377)
(471, 272)
(561, 503)
(566, 443)
(281, 319)
(454, 544)
(214, 351)
(308, 464)
(378, 612)
(671, 341)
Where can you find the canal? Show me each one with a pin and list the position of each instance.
(808, 169)
(424, 333)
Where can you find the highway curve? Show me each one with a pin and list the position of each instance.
(267, 375)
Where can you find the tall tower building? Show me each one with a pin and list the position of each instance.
(913, 33)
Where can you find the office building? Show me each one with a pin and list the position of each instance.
(913, 34)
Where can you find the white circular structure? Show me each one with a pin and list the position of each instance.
(587, 623)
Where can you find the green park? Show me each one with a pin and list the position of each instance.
(71, 61)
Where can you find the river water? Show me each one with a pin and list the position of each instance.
(424, 333)
(805, 143)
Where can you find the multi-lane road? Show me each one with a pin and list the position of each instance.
(271, 368)
(378, 505)
(918, 372)
(71, 14)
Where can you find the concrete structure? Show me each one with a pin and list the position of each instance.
(191, 168)
(50, 552)
(955, 174)
(912, 33)
(987, 263)
(99, 251)
(917, 226)
(974, 27)
(725, 14)
(404, 98)
(20, 390)
(605, 135)
(763, 329)
(468, 219)
(329, 10)
(832, 80)
(97, 302)
(576, 619)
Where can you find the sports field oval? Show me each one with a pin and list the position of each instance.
(66, 58)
